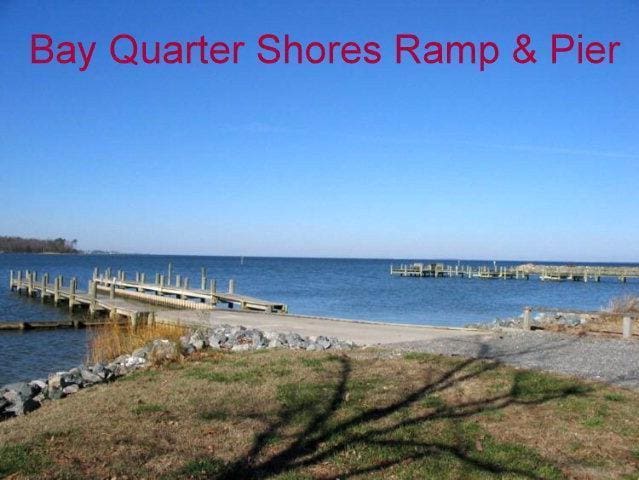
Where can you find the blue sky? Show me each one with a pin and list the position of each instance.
(516, 162)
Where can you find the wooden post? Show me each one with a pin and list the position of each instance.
(137, 277)
(627, 327)
(213, 286)
(178, 281)
(43, 287)
(112, 289)
(157, 278)
(56, 290)
(161, 281)
(142, 277)
(93, 293)
(96, 273)
(31, 279)
(186, 283)
(169, 273)
(526, 323)
(10, 279)
(231, 286)
(123, 276)
(203, 279)
(72, 289)
(141, 282)
(107, 273)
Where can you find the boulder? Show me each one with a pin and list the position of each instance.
(197, 340)
(18, 399)
(163, 351)
(275, 340)
(142, 352)
(72, 377)
(38, 385)
(89, 378)
(55, 386)
(323, 342)
(294, 340)
(217, 340)
(71, 389)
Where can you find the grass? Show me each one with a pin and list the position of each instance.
(115, 339)
(311, 415)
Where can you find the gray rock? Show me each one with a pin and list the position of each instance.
(197, 340)
(72, 377)
(18, 399)
(38, 385)
(163, 351)
(102, 371)
(217, 340)
(235, 330)
(323, 342)
(89, 378)
(55, 386)
(23, 389)
(142, 352)
(134, 362)
(70, 389)
(294, 340)
(40, 397)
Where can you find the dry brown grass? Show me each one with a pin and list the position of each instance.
(303, 415)
(628, 304)
(114, 339)
(608, 322)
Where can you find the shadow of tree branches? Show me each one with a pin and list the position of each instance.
(323, 435)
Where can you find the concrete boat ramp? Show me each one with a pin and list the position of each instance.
(360, 332)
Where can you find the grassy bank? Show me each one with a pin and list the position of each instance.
(303, 415)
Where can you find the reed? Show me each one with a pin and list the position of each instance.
(114, 339)
(625, 304)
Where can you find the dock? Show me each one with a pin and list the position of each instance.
(553, 273)
(135, 300)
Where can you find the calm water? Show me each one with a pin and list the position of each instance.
(329, 287)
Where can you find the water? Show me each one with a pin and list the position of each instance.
(347, 288)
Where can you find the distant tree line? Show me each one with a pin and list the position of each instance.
(35, 245)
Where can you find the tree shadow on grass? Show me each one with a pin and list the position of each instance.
(326, 434)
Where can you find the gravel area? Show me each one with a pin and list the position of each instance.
(595, 358)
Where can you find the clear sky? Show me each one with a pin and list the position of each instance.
(516, 162)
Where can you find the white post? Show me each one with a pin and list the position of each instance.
(627, 327)
(526, 323)
(231, 286)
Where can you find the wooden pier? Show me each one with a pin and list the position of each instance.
(576, 273)
(135, 300)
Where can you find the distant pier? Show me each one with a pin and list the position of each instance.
(577, 273)
(128, 299)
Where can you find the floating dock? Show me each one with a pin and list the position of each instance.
(576, 273)
(135, 300)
